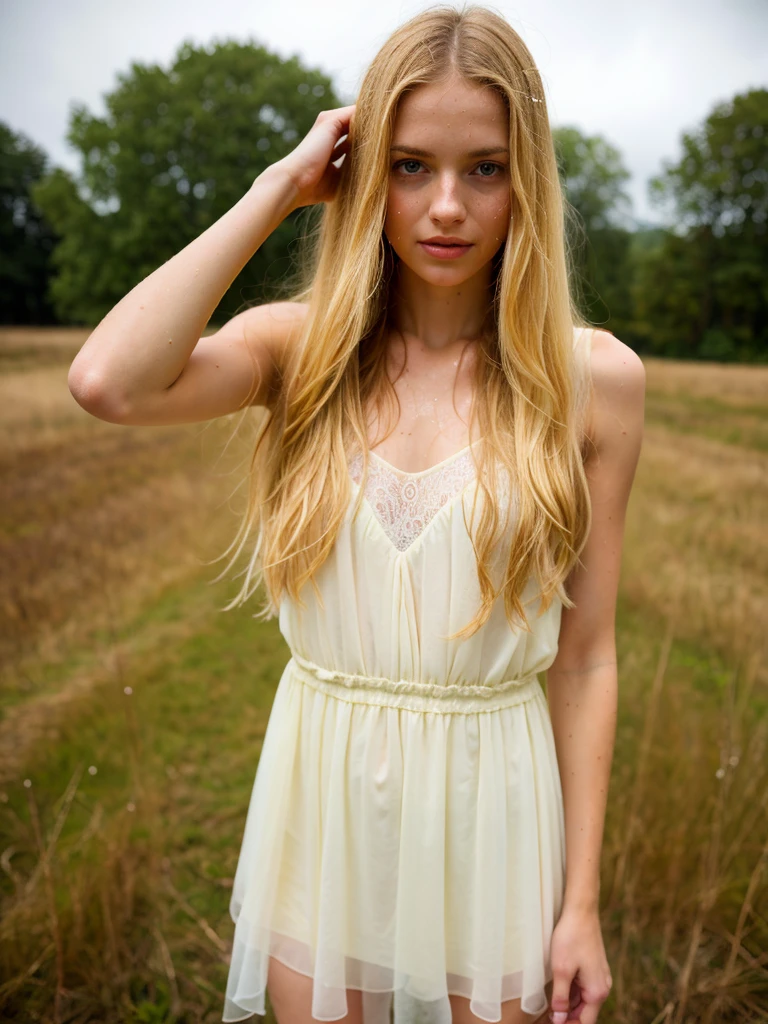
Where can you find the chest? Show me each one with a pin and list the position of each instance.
(407, 504)
(434, 398)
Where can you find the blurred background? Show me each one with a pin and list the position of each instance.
(132, 708)
(126, 129)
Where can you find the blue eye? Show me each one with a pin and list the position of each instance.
(489, 163)
(401, 163)
(486, 163)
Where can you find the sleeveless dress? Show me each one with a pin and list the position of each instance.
(405, 834)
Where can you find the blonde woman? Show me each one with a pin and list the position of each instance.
(437, 505)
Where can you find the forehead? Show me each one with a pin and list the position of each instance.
(456, 106)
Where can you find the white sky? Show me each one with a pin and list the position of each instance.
(639, 73)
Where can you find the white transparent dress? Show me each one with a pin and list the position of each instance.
(405, 834)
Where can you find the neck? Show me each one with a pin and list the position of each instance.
(436, 316)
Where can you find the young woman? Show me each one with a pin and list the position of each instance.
(437, 498)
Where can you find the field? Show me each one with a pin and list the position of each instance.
(132, 708)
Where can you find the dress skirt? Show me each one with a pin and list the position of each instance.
(402, 841)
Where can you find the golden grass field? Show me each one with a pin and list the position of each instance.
(133, 709)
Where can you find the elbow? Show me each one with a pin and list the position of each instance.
(93, 394)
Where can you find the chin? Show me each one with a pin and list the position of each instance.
(448, 278)
(451, 272)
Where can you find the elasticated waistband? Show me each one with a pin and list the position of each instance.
(454, 698)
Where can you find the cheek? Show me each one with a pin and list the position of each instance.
(402, 211)
(496, 214)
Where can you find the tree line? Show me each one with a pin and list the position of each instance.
(179, 145)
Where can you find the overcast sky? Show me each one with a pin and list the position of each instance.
(638, 73)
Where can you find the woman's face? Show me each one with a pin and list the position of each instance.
(441, 186)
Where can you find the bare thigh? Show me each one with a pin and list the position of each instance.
(290, 994)
(510, 1011)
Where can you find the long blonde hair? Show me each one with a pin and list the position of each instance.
(534, 383)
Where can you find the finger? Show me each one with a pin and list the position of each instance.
(561, 993)
(589, 1013)
(340, 115)
(340, 111)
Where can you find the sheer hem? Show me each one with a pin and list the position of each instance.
(387, 993)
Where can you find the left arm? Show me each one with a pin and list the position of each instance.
(582, 682)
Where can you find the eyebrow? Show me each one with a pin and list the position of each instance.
(487, 151)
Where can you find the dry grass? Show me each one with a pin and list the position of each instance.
(735, 385)
(696, 545)
(95, 520)
(116, 881)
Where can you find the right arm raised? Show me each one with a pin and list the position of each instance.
(237, 366)
(128, 369)
(146, 362)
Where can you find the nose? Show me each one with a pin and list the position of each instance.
(446, 204)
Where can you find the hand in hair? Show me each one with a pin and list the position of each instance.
(310, 165)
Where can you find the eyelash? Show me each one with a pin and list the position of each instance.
(484, 163)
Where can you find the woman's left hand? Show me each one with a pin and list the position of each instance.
(581, 975)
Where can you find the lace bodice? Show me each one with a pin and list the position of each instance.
(406, 503)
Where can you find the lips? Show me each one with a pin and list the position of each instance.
(446, 249)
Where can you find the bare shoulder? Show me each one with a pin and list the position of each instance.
(274, 326)
(286, 320)
(618, 393)
(284, 313)
(239, 365)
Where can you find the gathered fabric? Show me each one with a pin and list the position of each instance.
(459, 698)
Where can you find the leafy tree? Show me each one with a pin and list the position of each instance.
(721, 181)
(593, 177)
(26, 239)
(177, 148)
(704, 289)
